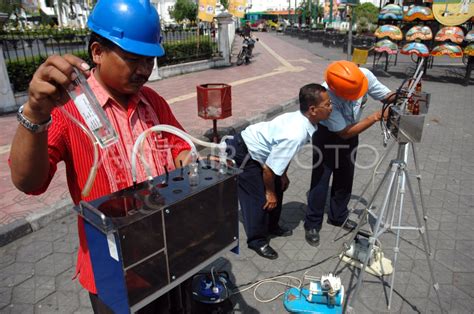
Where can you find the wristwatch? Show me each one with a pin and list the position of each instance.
(30, 126)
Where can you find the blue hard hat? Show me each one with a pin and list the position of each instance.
(133, 25)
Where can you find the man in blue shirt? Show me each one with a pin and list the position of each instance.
(335, 144)
(264, 151)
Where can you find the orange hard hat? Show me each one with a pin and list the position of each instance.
(346, 80)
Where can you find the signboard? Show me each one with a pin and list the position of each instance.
(237, 8)
(206, 10)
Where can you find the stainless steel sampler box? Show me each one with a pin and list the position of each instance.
(147, 239)
(405, 126)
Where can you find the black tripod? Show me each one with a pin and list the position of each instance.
(398, 180)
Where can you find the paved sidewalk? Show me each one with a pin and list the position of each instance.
(36, 270)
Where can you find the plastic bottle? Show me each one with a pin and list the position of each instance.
(193, 170)
(91, 111)
(416, 108)
(418, 87)
(410, 105)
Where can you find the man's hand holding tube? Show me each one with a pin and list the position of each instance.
(48, 86)
(29, 151)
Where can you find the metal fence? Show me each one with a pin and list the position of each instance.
(24, 51)
(23, 46)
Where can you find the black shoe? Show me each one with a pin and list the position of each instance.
(265, 251)
(281, 232)
(312, 237)
(349, 225)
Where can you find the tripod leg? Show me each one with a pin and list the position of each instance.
(366, 187)
(423, 239)
(422, 198)
(396, 248)
(364, 215)
(372, 239)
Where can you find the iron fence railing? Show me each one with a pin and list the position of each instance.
(25, 45)
(24, 51)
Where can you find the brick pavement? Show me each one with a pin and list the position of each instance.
(36, 270)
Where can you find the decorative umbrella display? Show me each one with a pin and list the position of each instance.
(452, 33)
(386, 45)
(469, 36)
(447, 49)
(469, 50)
(391, 12)
(418, 49)
(419, 12)
(419, 32)
(390, 31)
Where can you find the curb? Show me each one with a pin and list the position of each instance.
(44, 216)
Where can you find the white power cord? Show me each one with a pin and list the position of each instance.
(259, 283)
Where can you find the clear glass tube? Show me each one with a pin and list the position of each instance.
(91, 111)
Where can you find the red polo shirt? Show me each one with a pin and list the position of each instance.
(68, 143)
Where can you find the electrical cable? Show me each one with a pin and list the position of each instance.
(256, 285)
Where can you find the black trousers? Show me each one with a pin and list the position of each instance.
(334, 156)
(251, 192)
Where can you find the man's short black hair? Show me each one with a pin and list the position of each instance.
(104, 42)
(310, 95)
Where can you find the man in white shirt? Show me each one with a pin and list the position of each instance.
(335, 144)
(264, 151)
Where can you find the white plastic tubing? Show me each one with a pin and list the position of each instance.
(93, 172)
(138, 146)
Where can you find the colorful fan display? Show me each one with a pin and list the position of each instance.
(452, 33)
(469, 36)
(419, 12)
(469, 50)
(391, 12)
(419, 32)
(418, 49)
(390, 31)
(447, 49)
(386, 45)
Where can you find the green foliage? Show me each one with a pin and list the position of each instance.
(21, 72)
(184, 9)
(8, 6)
(225, 3)
(179, 52)
(368, 11)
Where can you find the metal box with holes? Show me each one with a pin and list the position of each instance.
(406, 127)
(147, 239)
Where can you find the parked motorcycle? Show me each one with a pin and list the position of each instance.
(246, 52)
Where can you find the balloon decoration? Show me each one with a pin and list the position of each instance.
(469, 50)
(419, 12)
(447, 49)
(386, 45)
(419, 32)
(418, 49)
(390, 31)
(452, 33)
(391, 12)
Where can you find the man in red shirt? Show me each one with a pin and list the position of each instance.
(124, 42)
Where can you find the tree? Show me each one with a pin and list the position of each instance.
(184, 9)
(225, 3)
(9, 6)
(368, 11)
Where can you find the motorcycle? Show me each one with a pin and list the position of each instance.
(246, 52)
